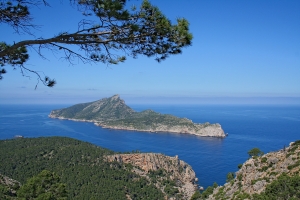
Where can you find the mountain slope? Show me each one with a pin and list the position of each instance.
(88, 172)
(274, 175)
(104, 109)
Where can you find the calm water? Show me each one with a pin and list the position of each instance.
(266, 127)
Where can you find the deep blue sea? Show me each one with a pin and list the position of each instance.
(266, 127)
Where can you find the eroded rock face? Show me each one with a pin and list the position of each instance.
(175, 168)
(257, 172)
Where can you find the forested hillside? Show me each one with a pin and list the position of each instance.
(79, 165)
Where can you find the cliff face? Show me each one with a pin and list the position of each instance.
(258, 172)
(148, 163)
(115, 114)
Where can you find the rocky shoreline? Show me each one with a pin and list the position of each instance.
(77, 120)
(212, 130)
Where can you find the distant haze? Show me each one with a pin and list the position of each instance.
(130, 99)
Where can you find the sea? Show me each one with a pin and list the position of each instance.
(267, 127)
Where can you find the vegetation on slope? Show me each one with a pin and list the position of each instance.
(44, 186)
(8, 187)
(105, 109)
(79, 165)
(149, 119)
(271, 176)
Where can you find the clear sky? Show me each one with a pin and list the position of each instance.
(243, 51)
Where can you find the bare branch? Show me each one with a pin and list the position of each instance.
(46, 81)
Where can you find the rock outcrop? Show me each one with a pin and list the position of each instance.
(115, 114)
(258, 172)
(9, 187)
(175, 169)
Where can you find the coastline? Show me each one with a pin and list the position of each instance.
(205, 133)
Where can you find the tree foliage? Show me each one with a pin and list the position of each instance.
(107, 33)
(285, 187)
(229, 177)
(205, 194)
(255, 152)
(44, 186)
(80, 165)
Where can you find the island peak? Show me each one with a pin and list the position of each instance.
(113, 113)
(116, 96)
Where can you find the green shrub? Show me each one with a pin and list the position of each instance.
(296, 143)
(196, 195)
(255, 152)
(264, 159)
(215, 185)
(288, 155)
(273, 173)
(264, 168)
(294, 165)
(253, 182)
(232, 182)
(239, 184)
(240, 177)
(285, 187)
(220, 193)
(293, 149)
(270, 165)
(242, 196)
(209, 190)
(230, 176)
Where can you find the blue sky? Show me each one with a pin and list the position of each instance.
(242, 52)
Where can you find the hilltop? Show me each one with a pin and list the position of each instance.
(115, 114)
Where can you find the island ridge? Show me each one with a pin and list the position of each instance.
(115, 114)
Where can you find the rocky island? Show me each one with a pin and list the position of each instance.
(115, 114)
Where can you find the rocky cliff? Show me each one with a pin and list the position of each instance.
(149, 164)
(258, 172)
(115, 114)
